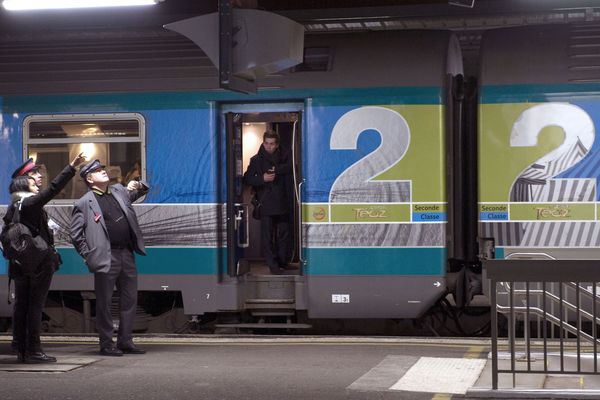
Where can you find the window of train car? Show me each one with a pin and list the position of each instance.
(117, 140)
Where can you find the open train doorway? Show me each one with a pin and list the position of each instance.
(263, 215)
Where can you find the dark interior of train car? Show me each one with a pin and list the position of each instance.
(287, 125)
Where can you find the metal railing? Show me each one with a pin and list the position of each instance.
(554, 291)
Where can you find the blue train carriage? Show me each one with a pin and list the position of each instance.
(365, 119)
(538, 155)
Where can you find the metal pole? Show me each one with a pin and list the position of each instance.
(494, 309)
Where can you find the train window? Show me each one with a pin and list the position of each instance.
(117, 140)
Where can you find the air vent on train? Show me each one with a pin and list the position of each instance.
(315, 59)
(584, 56)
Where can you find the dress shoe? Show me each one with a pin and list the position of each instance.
(38, 357)
(111, 352)
(131, 349)
(14, 347)
(276, 270)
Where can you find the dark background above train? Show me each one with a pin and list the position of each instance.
(39, 50)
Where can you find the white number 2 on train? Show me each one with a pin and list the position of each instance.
(574, 121)
(356, 183)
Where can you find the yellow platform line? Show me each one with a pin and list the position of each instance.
(474, 352)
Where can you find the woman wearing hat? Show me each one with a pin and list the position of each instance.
(31, 290)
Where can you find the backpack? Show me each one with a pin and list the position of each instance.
(22, 248)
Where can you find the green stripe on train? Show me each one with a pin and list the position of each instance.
(321, 261)
(494, 94)
(376, 261)
(175, 261)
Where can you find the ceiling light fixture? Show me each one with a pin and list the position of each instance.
(20, 5)
(462, 3)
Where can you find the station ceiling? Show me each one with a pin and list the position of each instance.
(316, 15)
(64, 44)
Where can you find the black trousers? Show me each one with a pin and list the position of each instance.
(123, 274)
(30, 297)
(276, 239)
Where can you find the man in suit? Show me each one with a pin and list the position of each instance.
(105, 232)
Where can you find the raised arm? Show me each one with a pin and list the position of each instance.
(56, 185)
(136, 189)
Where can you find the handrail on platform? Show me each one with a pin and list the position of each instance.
(547, 276)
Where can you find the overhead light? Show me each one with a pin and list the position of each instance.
(18, 5)
(462, 3)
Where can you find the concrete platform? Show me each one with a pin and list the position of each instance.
(539, 385)
(275, 367)
(62, 364)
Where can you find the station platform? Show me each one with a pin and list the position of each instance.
(278, 367)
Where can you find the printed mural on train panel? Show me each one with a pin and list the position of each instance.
(374, 180)
(375, 176)
(539, 165)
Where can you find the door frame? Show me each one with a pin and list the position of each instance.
(227, 133)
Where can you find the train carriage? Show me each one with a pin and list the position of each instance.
(367, 126)
(538, 118)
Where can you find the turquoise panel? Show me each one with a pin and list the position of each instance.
(173, 261)
(499, 253)
(376, 261)
(536, 93)
(152, 101)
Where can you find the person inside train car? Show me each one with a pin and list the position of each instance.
(31, 290)
(105, 232)
(269, 173)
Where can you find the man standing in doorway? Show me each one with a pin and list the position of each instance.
(105, 232)
(269, 173)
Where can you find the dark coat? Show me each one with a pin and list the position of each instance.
(274, 196)
(32, 209)
(88, 229)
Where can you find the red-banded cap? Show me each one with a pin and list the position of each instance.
(27, 166)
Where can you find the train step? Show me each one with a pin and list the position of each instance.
(270, 301)
(265, 325)
(271, 304)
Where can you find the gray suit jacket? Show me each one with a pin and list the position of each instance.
(88, 229)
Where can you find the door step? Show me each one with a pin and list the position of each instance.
(271, 304)
(265, 325)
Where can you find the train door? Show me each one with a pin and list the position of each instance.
(245, 126)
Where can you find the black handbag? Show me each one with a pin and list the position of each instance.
(256, 204)
(25, 250)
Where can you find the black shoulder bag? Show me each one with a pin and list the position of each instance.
(256, 204)
(22, 248)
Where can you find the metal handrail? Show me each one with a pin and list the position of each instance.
(532, 277)
(300, 232)
(554, 297)
(550, 317)
(545, 255)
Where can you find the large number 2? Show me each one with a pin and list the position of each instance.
(574, 121)
(355, 184)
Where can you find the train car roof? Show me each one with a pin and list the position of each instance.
(174, 63)
(545, 54)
